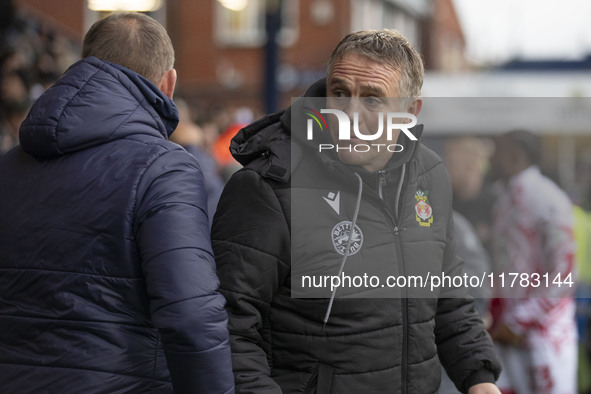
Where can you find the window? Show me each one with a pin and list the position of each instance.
(246, 27)
(377, 14)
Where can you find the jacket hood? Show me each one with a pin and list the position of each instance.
(93, 103)
(269, 137)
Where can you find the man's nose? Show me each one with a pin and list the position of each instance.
(352, 106)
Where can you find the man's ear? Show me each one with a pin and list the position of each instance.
(415, 107)
(168, 82)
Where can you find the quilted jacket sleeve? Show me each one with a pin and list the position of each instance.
(172, 234)
(250, 238)
(464, 346)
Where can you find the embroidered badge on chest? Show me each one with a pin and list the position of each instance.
(423, 209)
(340, 238)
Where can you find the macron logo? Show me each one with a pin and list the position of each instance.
(334, 201)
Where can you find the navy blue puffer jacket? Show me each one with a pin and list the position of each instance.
(107, 280)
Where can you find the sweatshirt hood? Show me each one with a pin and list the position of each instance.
(269, 136)
(93, 103)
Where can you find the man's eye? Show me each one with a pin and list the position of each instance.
(372, 102)
(339, 99)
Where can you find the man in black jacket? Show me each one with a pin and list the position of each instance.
(311, 205)
(107, 277)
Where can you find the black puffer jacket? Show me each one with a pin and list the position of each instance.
(383, 344)
(106, 271)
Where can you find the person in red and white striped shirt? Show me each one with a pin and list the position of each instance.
(533, 251)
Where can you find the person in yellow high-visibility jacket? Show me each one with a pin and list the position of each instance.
(583, 259)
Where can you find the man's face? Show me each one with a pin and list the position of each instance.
(362, 85)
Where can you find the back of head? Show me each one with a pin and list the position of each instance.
(385, 46)
(528, 143)
(132, 40)
(466, 159)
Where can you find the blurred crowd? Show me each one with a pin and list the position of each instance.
(33, 54)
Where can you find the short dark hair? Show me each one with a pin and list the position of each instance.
(132, 40)
(528, 142)
(385, 46)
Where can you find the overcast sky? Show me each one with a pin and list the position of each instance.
(498, 30)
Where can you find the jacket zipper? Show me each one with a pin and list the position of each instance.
(404, 295)
(381, 183)
(404, 302)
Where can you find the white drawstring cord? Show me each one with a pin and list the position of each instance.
(347, 250)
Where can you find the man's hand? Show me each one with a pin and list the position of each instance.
(484, 388)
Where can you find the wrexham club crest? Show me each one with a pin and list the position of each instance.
(423, 209)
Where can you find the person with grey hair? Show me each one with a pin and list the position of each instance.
(297, 208)
(107, 277)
